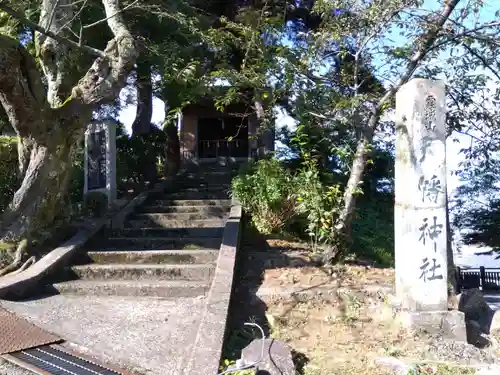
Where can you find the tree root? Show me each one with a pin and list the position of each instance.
(18, 258)
(26, 264)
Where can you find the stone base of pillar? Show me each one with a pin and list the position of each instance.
(447, 324)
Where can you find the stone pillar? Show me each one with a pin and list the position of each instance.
(100, 159)
(420, 200)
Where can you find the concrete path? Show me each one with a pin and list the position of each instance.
(143, 335)
(493, 300)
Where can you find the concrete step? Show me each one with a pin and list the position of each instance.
(169, 232)
(149, 256)
(192, 272)
(197, 195)
(211, 168)
(167, 217)
(127, 288)
(200, 182)
(118, 243)
(224, 203)
(158, 221)
(185, 211)
(218, 177)
(197, 187)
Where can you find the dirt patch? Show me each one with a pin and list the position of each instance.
(342, 330)
(337, 276)
(347, 335)
(283, 263)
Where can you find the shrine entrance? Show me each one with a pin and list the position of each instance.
(222, 137)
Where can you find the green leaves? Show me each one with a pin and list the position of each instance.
(318, 203)
(266, 192)
(273, 196)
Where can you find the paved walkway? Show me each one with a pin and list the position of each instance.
(493, 300)
(153, 336)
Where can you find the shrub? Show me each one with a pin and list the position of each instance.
(9, 181)
(265, 190)
(134, 153)
(96, 204)
(318, 203)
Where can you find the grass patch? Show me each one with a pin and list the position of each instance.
(191, 246)
(430, 369)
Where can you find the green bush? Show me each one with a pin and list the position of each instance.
(9, 181)
(265, 190)
(134, 153)
(95, 204)
(278, 200)
(318, 203)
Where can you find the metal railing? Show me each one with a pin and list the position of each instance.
(480, 277)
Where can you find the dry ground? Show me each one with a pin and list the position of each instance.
(345, 327)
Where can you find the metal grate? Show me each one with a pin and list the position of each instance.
(17, 333)
(57, 362)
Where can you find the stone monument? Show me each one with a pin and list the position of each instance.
(100, 159)
(420, 209)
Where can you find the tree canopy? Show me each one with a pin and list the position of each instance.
(333, 66)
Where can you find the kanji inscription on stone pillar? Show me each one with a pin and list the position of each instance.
(420, 202)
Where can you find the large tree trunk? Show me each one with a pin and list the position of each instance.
(41, 195)
(49, 122)
(342, 229)
(141, 127)
(144, 112)
(172, 149)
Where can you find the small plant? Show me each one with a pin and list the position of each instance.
(319, 204)
(96, 204)
(350, 307)
(227, 363)
(6, 253)
(440, 369)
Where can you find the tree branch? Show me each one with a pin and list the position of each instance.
(425, 43)
(111, 16)
(482, 59)
(72, 19)
(104, 80)
(22, 93)
(19, 16)
(466, 33)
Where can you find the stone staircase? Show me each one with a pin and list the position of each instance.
(167, 248)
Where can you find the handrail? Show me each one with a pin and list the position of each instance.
(478, 269)
(480, 277)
